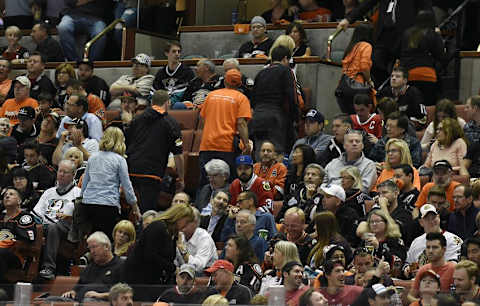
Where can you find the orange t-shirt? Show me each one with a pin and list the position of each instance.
(359, 59)
(388, 174)
(221, 110)
(426, 74)
(5, 87)
(276, 175)
(96, 106)
(10, 108)
(422, 197)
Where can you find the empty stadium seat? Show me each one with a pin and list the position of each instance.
(187, 119)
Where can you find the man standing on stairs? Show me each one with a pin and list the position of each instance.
(147, 156)
(225, 112)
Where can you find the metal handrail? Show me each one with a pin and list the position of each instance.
(329, 43)
(105, 31)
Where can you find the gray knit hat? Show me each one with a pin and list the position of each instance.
(258, 19)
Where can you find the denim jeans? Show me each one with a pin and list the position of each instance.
(127, 14)
(73, 24)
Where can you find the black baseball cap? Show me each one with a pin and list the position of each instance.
(85, 61)
(26, 112)
(315, 115)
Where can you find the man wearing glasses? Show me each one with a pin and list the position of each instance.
(260, 45)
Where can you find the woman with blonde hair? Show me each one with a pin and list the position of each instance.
(352, 184)
(151, 262)
(327, 234)
(450, 144)
(215, 299)
(14, 52)
(283, 40)
(123, 237)
(76, 156)
(382, 235)
(284, 251)
(106, 172)
(63, 73)
(397, 153)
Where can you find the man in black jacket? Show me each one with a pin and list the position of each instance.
(274, 100)
(150, 139)
(395, 16)
(46, 45)
(86, 15)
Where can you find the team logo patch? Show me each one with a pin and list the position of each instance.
(179, 142)
(26, 220)
(266, 186)
(6, 235)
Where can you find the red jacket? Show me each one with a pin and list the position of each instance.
(257, 185)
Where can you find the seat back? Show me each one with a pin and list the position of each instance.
(187, 119)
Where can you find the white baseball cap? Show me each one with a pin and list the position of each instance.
(427, 208)
(334, 190)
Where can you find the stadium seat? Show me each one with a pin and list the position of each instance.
(187, 119)
(187, 137)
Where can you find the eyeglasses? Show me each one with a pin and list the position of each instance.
(458, 197)
(377, 221)
(255, 27)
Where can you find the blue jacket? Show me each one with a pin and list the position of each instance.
(105, 173)
(265, 220)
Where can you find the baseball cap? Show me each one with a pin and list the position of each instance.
(85, 61)
(143, 59)
(55, 117)
(23, 80)
(442, 163)
(244, 160)
(315, 115)
(259, 20)
(379, 289)
(427, 208)
(233, 77)
(334, 190)
(75, 121)
(187, 268)
(220, 264)
(330, 249)
(431, 273)
(26, 112)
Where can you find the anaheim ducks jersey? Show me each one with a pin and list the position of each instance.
(257, 185)
(20, 227)
(249, 275)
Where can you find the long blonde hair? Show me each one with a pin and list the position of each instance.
(405, 158)
(113, 141)
(129, 228)
(175, 213)
(392, 230)
(289, 251)
(215, 299)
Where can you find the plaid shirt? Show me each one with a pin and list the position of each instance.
(377, 153)
(472, 131)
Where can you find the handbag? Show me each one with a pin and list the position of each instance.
(347, 87)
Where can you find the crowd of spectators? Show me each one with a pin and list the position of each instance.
(363, 213)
